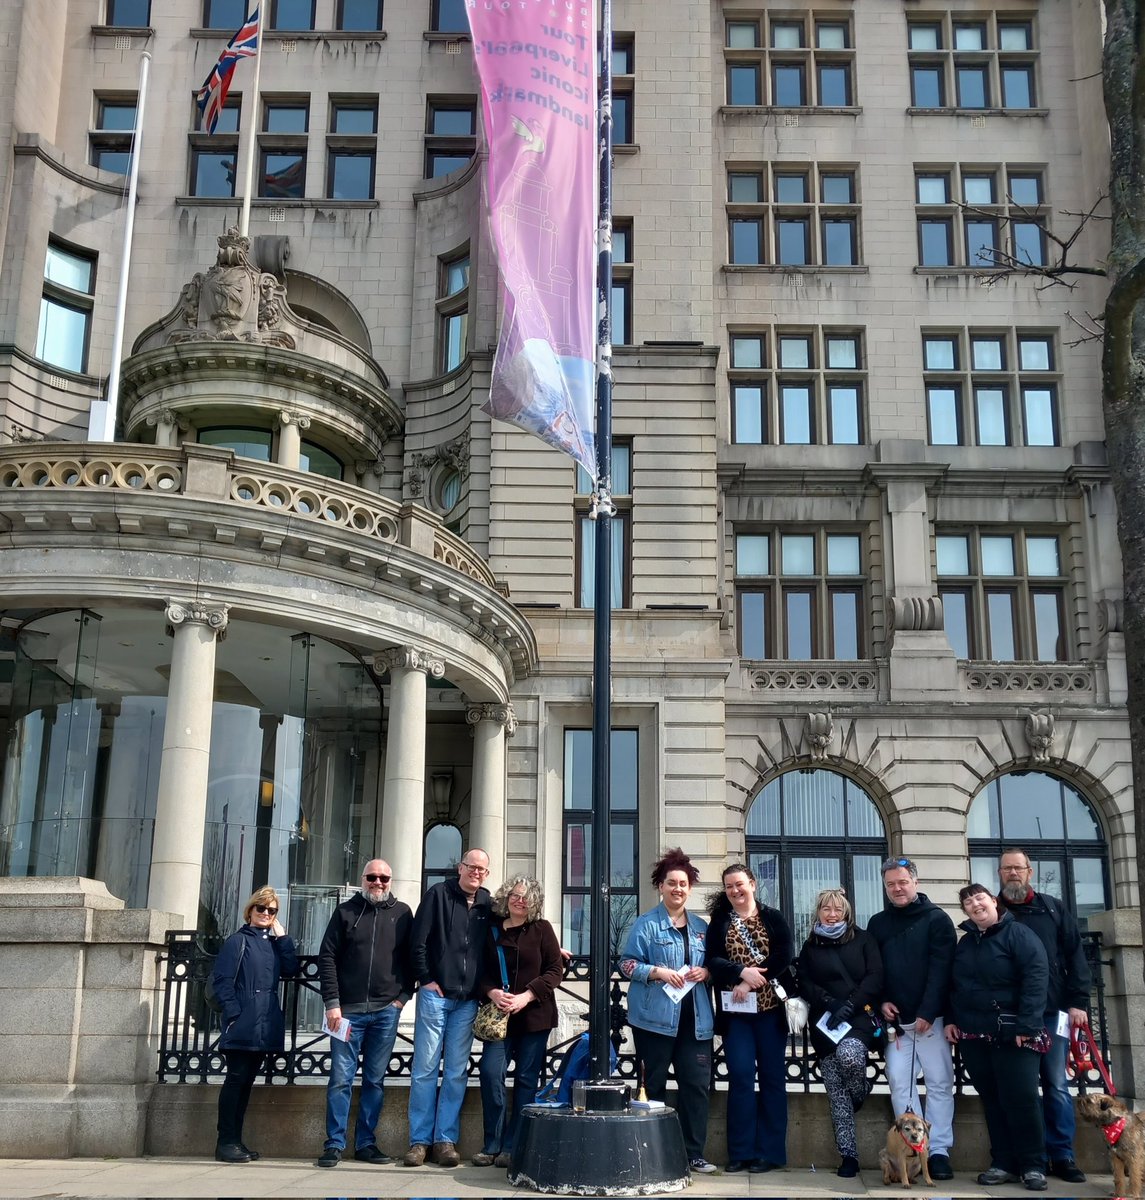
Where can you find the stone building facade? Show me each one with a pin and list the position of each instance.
(313, 604)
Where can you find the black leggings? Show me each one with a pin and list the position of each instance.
(234, 1095)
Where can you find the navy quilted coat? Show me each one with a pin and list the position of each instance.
(246, 975)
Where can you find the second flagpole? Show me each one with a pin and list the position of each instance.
(252, 130)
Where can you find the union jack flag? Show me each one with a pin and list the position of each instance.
(213, 94)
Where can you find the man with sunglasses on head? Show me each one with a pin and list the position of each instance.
(366, 975)
(448, 949)
(916, 939)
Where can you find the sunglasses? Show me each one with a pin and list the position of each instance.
(377, 878)
(266, 908)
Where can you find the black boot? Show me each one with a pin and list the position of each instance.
(231, 1152)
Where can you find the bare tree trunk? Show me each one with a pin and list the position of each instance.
(1123, 361)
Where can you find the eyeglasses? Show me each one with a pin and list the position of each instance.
(520, 897)
(1015, 870)
(377, 878)
(475, 870)
(266, 908)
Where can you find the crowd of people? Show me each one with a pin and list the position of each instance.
(906, 987)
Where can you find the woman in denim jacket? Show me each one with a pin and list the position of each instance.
(665, 949)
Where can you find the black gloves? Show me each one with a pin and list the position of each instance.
(843, 1013)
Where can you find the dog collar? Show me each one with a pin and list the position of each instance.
(1114, 1130)
(917, 1147)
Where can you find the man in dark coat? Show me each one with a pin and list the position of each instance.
(1068, 993)
(448, 954)
(366, 975)
(916, 939)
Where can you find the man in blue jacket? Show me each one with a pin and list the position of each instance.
(916, 939)
(366, 976)
(1068, 993)
(448, 948)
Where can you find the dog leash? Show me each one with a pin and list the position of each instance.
(1084, 1055)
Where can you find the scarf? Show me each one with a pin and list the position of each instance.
(1114, 1130)
(834, 932)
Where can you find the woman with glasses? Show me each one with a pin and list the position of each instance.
(522, 971)
(748, 947)
(841, 977)
(245, 979)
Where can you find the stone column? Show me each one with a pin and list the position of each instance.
(403, 792)
(181, 808)
(491, 723)
(290, 426)
(167, 426)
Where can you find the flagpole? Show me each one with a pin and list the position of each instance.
(600, 948)
(252, 129)
(101, 420)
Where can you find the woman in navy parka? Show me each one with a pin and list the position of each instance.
(245, 977)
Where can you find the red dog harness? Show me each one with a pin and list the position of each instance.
(1114, 1130)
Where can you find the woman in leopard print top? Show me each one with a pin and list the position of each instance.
(748, 946)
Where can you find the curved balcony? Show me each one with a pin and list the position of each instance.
(303, 544)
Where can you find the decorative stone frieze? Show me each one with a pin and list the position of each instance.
(819, 731)
(1061, 678)
(816, 679)
(1039, 730)
(408, 658)
(916, 613)
(214, 616)
(502, 714)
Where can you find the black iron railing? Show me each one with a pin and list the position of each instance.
(189, 1048)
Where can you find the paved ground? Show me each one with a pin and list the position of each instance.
(155, 1177)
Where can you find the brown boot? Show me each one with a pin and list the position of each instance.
(415, 1156)
(445, 1154)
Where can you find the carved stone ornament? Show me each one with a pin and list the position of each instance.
(293, 418)
(454, 453)
(820, 731)
(501, 713)
(168, 416)
(1040, 734)
(1110, 616)
(233, 302)
(916, 612)
(195, 612)
(408, 658)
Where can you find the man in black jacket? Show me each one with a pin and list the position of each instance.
(916, 939)
(1068, 993)
(366, 976)
(448, 949)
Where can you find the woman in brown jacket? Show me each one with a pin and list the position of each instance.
(533, 970)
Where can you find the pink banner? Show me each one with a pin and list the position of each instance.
(537, 63)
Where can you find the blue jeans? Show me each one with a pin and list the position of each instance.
(754, 1050)
(1057, 1104)
(372, 1036)
(442, 1030)
(527, 1051)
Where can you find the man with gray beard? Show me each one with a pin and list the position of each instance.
(1068, 992)
(366, 975)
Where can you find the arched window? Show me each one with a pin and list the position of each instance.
(809, 830)
(442, 854)
(319, 462)
(248, 443)
(1056, 827)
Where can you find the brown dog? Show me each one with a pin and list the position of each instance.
(907, 1151)
(1125, 1133)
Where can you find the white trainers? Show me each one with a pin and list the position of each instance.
(701, 1166)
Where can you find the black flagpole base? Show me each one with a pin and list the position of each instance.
(623, 1153)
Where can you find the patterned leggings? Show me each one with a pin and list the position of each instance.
(845, 1077)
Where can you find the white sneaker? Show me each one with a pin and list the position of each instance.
(701, 1166)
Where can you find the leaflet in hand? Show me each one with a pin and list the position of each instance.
(676, 994)
(838, 1033)
(749, 1004)
(340, 1029)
